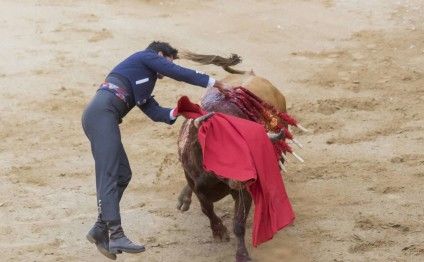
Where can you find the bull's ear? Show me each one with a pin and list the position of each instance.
(198, 121)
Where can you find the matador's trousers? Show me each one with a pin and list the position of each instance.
(100, 122)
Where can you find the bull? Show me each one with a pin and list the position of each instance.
(206, 185)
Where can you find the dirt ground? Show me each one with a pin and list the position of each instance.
(352, 71)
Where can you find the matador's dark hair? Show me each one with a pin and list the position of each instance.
(165, 48)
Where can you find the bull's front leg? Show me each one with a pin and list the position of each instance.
(242, 205)
(184, 199)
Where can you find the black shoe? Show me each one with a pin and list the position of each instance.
(118, 242)
(99, 235)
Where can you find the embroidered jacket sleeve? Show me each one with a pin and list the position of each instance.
(155, 112)
(167, 68)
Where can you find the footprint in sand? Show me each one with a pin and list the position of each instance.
(100, 36)
(409, 159)
(372, 223)
(363, 245)
(330, 106)
(90, 18)
(386, 189)
(417, 250)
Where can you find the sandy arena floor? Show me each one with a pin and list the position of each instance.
(352, 71)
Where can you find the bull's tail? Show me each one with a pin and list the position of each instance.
(225, 63)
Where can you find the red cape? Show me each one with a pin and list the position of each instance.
(239, 149)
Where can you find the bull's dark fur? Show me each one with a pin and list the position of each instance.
(206, 186)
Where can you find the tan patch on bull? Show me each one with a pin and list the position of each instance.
(182, 142)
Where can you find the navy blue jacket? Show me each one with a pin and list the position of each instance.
(140, 73)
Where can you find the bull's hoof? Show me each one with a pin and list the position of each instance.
(183, 204)
(243, 257)
(220, 233)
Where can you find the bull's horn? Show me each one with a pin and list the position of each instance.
(302, 128)
(298, 157)
(200, 119)
(282, 166)
(275, 136)
(297, 143)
